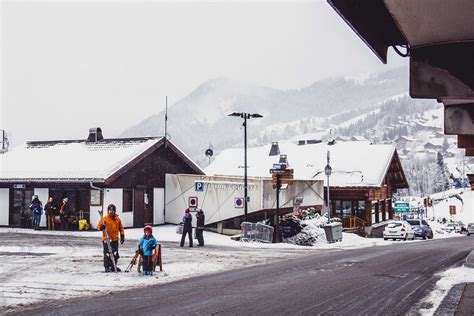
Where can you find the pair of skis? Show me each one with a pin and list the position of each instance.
(156, 259)
(107, 240)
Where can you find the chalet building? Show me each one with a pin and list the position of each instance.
(91, 173)
(363, 180)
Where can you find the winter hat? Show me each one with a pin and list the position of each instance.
(187, 210)
(148, 227)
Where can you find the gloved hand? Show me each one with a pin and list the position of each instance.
(122, 239)
(102, 227)
(141, 252)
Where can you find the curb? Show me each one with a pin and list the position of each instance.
(470, 260)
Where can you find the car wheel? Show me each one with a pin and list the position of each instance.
(468, 234)
(385, 239)
(394, 239)
(424, 237)
(406, 237)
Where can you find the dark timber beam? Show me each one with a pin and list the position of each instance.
(465, 141)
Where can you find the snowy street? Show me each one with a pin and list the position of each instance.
(394, 279)
(41, 267)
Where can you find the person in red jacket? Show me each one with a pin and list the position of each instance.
(112, 225)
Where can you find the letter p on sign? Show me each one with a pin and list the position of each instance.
(199, 186)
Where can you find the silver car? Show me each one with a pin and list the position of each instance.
(470, 229)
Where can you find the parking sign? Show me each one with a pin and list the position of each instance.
(199, 186)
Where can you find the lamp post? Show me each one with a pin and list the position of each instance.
(245, 116)
(328, 171)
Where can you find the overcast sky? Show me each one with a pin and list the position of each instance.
(70, 65)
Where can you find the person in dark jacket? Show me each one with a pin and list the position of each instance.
(200, 227)
(188, 228)
(36, 208)
(49, 210)
(64, 213)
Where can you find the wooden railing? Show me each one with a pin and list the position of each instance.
(354, 223)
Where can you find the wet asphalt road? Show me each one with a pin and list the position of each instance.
(371, 281)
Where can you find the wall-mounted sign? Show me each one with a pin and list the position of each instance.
(199, 186)
(239, 202)
(95, 197)
(452, 210)
(19, 186)
(193, 201)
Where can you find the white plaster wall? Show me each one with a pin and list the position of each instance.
(43, 195)
(158, 206)
(4, 206)
(115, 196)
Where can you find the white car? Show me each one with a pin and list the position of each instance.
(452, 227)
(398, 230)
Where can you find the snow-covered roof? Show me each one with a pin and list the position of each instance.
(354, 164)
(74, 160)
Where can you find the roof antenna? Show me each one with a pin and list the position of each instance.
(166, 119)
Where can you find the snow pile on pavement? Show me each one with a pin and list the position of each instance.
(307, 226)
(448, 279)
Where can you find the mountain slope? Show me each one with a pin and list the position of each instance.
(200, 119)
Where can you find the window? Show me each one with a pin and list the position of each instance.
(127, 200)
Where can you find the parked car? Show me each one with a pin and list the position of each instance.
(421, 228)
(462, 225)
(470, 229)
(398, 230)
(452, 227)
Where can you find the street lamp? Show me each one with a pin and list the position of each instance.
(245, 116)
(328, 171)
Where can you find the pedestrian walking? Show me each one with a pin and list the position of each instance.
(146, 245)
(187, 228)
(200, 219)
(49, 210)
(64, 213)
(36, 208)
(113, 225)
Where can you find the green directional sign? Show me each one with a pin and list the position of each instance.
(401, 207)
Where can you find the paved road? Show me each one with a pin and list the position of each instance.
(371, 281)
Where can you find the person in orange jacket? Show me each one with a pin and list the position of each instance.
(113, 225)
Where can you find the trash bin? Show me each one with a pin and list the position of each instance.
(333, 232)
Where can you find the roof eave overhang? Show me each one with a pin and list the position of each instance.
(372, 22)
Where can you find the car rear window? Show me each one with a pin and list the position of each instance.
(471, 225)
(393, 225)
(412, 222)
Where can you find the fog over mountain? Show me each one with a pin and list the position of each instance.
(201, 118)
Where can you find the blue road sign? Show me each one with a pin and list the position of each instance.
(199, 186)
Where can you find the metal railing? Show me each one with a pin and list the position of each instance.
(256, 232)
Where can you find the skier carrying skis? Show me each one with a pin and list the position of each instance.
(36, 208)
(188, 228)
(113, 225)
(146, 244)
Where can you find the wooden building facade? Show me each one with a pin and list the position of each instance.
(92, 173)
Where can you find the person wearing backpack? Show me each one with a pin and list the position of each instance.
(49, 210)
(187, 228)
(36, 208)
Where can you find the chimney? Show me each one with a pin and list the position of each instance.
(275, 150)
(284, 159)
(95, 134)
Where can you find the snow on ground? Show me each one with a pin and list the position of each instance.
(50, 265)
(448, 279)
